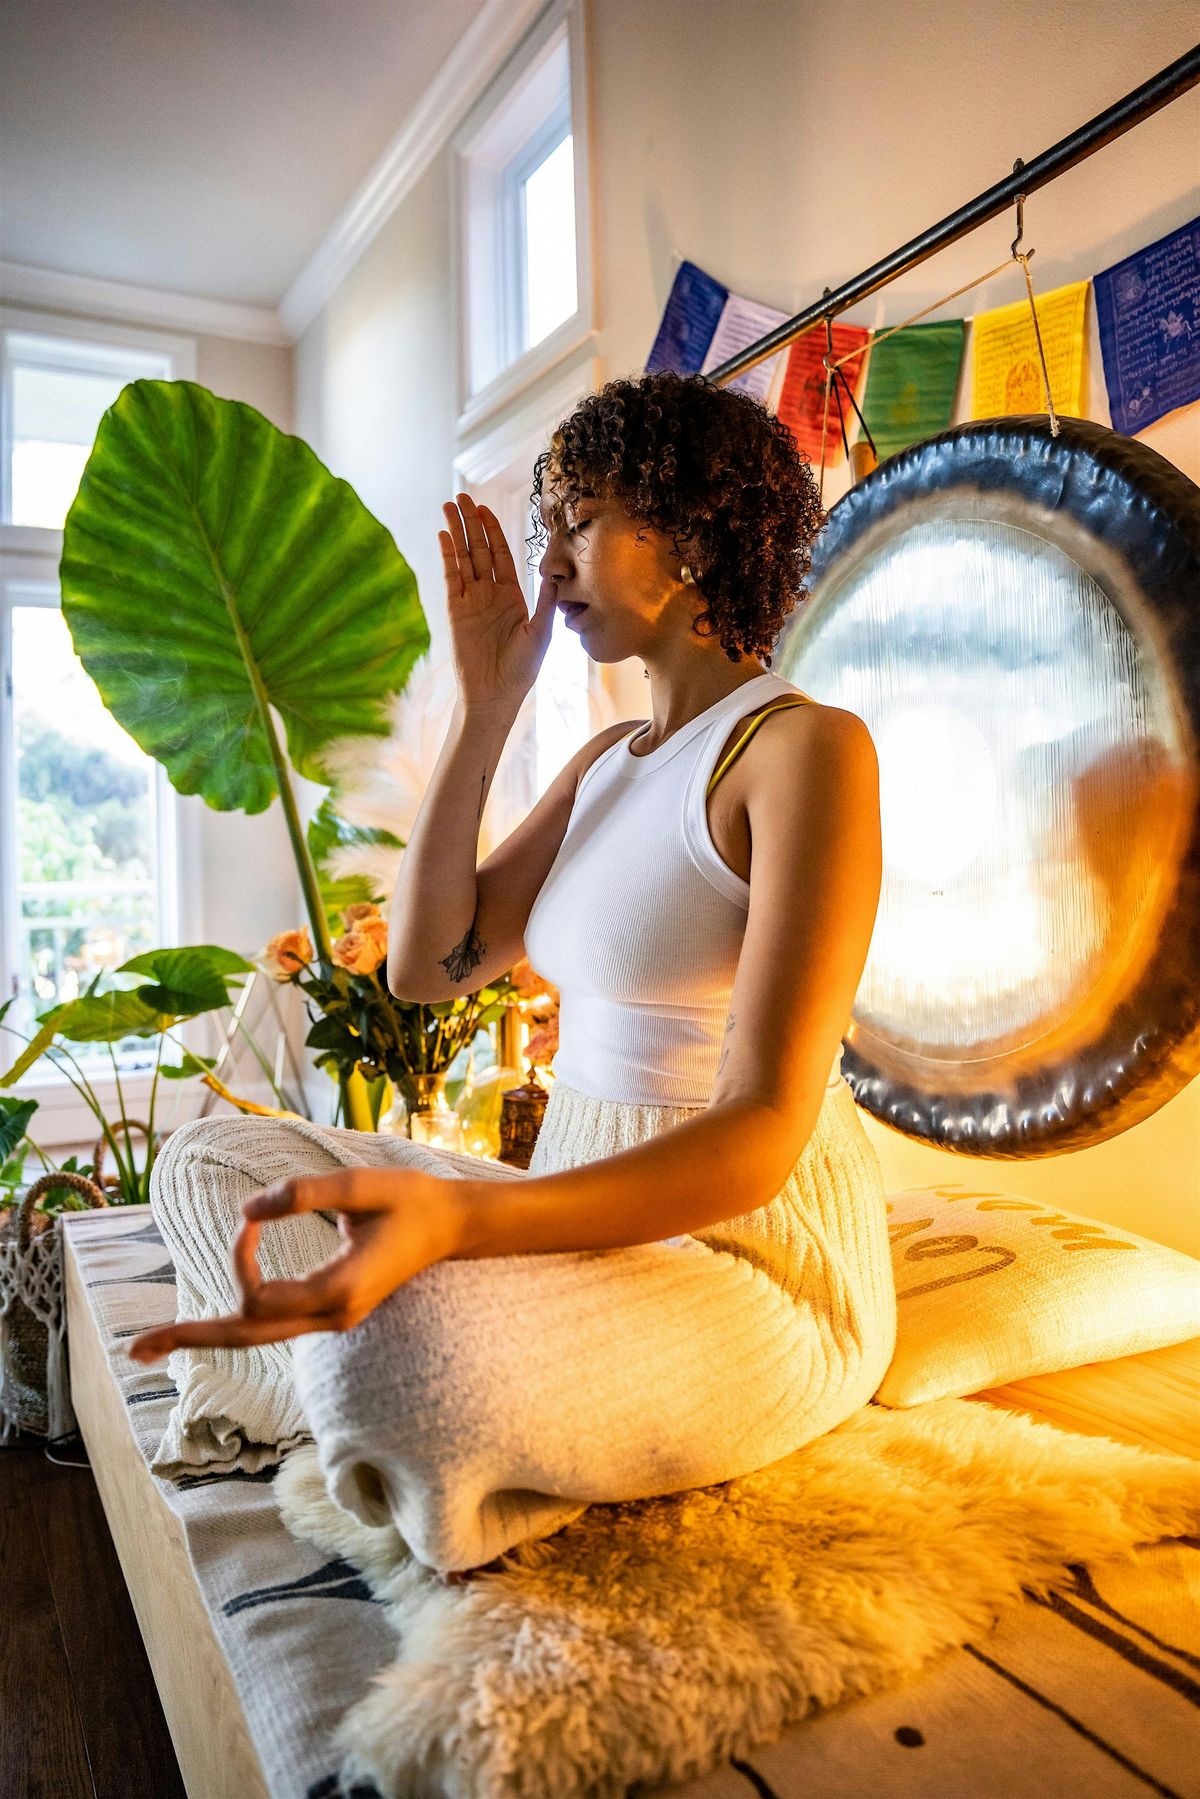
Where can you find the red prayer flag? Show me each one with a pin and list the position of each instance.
(802, 397)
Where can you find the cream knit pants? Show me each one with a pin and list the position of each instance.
(487, 1402)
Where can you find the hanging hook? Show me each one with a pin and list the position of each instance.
(1017, 167)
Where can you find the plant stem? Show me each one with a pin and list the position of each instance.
(134, 1187)
(150, 1119)
(83, 1087)
(287, 799)
(356, 1102)
(244, 1028)
(37, 1152)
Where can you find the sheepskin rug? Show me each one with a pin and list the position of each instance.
(648, 1641)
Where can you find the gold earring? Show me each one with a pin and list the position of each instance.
(686, 576)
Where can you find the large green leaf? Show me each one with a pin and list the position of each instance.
(187, 981)
(182, 1071)
(14, 1122)
(211, 563)
(328, 832)
(37, 1046)
(107, 1017)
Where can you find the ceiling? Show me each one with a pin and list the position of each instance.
(201, 146)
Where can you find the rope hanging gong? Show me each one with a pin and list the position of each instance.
(862, 456)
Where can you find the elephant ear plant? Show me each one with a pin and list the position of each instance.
(170, 987)
(237, 606)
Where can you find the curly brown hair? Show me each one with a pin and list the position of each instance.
(707, 464)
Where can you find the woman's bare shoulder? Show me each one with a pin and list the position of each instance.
(784, 743)
(806, 736)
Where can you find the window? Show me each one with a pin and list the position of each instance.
(523, 223)
(89, 825)
(90, 881)
(55, 391)
(549, 286)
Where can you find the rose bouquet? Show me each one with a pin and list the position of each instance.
(359, 1028)
(536, 1000)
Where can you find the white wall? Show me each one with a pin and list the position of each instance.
(250, 890)
(374, 384)
(784, 147)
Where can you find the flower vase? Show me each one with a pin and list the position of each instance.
(431, 1117)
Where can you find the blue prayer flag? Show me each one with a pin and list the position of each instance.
(1148, 310)
(689, 322)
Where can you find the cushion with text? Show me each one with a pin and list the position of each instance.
(994, 1287)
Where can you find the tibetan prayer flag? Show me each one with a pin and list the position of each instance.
(911, 383)
(1148, 310)
(743, 322)
(802, 398)
(689, 320)
(1008, 370)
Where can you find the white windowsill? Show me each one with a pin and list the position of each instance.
(523, 374)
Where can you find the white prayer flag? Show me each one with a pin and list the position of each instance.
(743, 322)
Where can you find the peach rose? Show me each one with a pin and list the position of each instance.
(528, 983)
(543, 1043)
(358, 911)
(287, 953)
(363, 947)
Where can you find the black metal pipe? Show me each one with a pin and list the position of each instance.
(1154, 94)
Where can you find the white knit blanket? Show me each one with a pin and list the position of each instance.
(488, 1401)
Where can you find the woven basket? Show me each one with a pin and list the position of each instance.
(33, 1388)
(110, 1182)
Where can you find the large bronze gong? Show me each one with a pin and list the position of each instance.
(1016, 617)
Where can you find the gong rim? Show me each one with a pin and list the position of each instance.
(1130, 521)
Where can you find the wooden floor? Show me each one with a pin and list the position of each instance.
(79, 1714)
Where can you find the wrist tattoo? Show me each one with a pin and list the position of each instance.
(465, 955)
(729, 1024)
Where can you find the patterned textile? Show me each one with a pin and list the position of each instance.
(1096, 1691)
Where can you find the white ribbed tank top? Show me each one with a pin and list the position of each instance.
(639, 922)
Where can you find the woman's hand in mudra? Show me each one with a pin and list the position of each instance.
(392, 1221)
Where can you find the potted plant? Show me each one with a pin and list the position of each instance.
(358, 1026)
(241, 613)
(167, 987)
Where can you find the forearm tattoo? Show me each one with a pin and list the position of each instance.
(729, 1024)
(465, 955)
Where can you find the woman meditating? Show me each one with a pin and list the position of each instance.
(693, 1278)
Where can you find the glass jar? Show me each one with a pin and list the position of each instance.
(431, 1118)
(394, 1121)
(478, 1105)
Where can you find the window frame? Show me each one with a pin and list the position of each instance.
(73, 338)
(29, 560)
(491, 153)
(512, 233)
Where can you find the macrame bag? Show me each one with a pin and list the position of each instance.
(35, 1392)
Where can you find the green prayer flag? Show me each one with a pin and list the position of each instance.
(911, 382)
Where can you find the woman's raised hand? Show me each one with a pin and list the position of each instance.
(497, 645)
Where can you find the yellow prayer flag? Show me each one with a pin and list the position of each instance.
(1007, 374)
